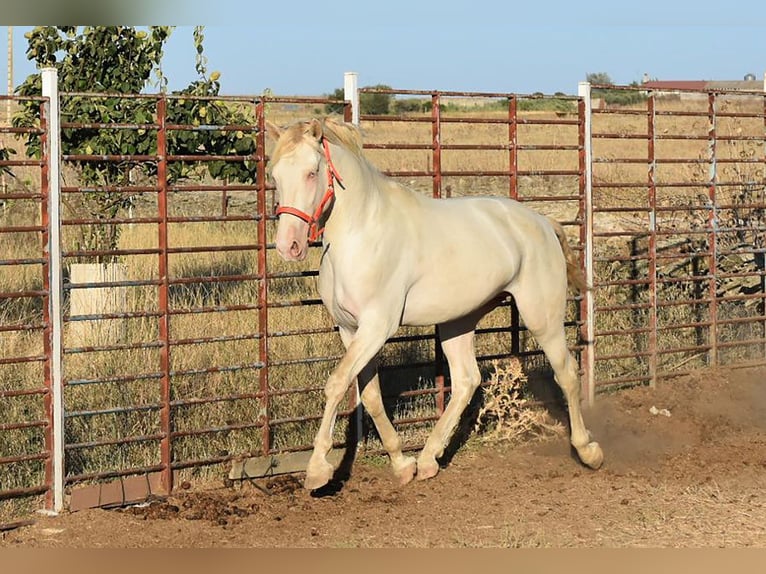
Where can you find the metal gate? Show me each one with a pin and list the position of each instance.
(198, 346)
(678, 234)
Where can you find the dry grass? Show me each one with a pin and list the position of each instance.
(507, 414)
(505, 400)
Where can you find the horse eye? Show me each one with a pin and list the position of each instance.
(312, 174)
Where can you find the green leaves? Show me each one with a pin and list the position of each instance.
(5, 155)
(125, 60)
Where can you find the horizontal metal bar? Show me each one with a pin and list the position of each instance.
(217, 339)
(213, 430)
(13, 393)
(115, 379)
(217, 399)
(28, 261)
(212, 218)
(105, 125)
(130, 189)
(101, 284)
(126, 315)
(213, 249)
(113, 221)
(304, 361)
(113, 442)
(198, 187)
(213, 279)
(225, 369)
(20, 426)
(14, 196)
(213, 309)
(23, 294)
(20, 492)
(681, 326)
(741, 342)
(21, 360)
(111, 158)
(24, 458)
(742, 320)
(115, 347)
(691, 349)
(627, 307)
(112, 411)
(622, 332)
(300, 332)
(202, 158)
(683, 302)
(617, 356)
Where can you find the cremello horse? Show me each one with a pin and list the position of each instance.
(394, 257)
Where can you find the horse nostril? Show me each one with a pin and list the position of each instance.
(295, 249)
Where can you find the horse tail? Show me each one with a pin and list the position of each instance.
(575, 276)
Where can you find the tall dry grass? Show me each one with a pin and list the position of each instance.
(210, 415)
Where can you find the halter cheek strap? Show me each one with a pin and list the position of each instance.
(313, 220)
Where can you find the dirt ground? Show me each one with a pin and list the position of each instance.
(694, 478)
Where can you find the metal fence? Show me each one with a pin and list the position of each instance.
(196, 345)
(679, 234)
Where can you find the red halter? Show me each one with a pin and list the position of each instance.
(329, 194)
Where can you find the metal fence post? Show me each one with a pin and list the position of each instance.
(166, 414)
(654, 314)
(351, 93)
(713, 226)
(584, 92)
(50, 91)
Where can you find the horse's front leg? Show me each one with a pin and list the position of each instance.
(365, 344)
(369, 386)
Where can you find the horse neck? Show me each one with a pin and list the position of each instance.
(358, 196)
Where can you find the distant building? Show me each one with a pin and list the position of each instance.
(690, 88)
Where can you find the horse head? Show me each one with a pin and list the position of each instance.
(298, 159)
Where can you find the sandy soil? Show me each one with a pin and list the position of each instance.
(695, 478)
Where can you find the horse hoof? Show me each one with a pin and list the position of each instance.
(318, 477)
(406, 472)
(591, 455)
(427, 470)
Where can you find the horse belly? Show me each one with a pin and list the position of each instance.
(446, 296)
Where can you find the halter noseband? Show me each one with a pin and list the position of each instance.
(313, 220)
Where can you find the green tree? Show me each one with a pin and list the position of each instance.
(336, 108)
(614, 96)
(125, 60)
(375, 103)
(599, 78)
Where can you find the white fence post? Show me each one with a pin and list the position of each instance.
(351, 93)
(583, 90)
(50, 91)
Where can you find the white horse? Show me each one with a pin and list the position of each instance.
(394, 257)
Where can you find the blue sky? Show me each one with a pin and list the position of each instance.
(303, 48)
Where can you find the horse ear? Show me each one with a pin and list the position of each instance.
(273, 131)
(315, 129)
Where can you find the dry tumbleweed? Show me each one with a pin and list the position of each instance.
(509, 416)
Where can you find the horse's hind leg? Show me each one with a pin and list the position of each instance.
(547, 326)
(403, 466)
(457, 342)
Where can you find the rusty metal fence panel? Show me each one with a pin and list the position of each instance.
(190, 343)
(187, 342)
(189, 369)
(679, 194)
(25, 354)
